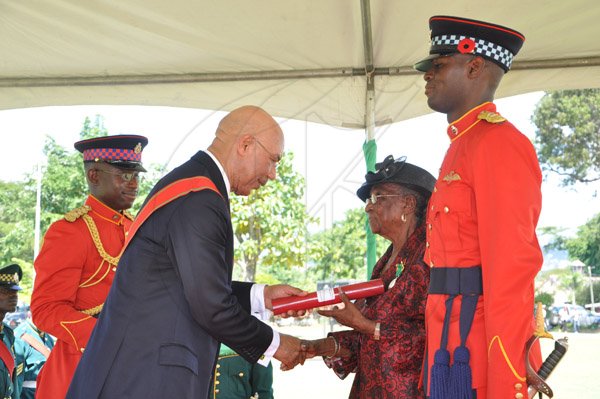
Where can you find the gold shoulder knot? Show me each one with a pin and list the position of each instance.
(128, 215)
(491, 117)
(76, 213)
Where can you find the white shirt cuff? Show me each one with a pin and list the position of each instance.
(258, 310)
(257, 302)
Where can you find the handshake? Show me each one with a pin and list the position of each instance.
(293, 351)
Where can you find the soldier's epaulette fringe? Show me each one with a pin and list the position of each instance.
(76, 213)
(491, 117)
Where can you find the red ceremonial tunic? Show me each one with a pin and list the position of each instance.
(74, 272)
(390, 368)
(484, 211)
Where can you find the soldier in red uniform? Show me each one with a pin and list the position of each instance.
(481, 241)
(77, 263)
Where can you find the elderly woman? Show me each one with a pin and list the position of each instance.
(386, 344)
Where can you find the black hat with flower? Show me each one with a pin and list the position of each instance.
(400, 172)
(451, 35)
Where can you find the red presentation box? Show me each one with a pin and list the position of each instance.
(328, 296)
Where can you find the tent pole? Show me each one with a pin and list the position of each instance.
(370, 146)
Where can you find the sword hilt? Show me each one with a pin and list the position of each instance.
(560, 348)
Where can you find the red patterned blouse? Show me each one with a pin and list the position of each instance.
(390, 368)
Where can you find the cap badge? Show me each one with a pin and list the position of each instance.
(491, 117)
(16, 277)
(466, 46)
(138, 148)
(452, 176)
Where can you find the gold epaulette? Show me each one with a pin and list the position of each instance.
(128, 215)
(491, 117)
(76, 213)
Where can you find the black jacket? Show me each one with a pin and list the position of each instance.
(171, 302)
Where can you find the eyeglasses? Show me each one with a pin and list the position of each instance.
(126, 176)
(274, 157)
(373, 198)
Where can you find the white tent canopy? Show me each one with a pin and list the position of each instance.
(301, 59)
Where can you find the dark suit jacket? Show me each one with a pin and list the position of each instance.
(171, 302)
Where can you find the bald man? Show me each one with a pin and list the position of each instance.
(173, 300)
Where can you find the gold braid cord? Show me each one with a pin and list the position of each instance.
(113, 260)
(93, 311)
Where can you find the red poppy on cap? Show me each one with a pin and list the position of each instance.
(466, 46)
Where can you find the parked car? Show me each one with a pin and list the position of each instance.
(568, 313)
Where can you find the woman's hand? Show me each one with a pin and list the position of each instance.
(350, 316)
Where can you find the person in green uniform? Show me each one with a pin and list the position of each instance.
(32, 348)
(235, 378)
(9, 287)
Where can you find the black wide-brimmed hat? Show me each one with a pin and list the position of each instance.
(122, 151)
(400, 172)
(450, 35)
(10, 276)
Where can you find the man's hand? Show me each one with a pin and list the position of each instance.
(290, 352)
(350, 316)
(282, 291)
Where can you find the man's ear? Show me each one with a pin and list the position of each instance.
(476, 67)
(92, 176)
(244, 143)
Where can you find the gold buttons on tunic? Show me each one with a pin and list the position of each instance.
(241, 374)
(427, 244)
(216, 391)
(82, 349)
(218, 365)
(454, 130)
(446, 209)
(217, 382)
(519, 395)
(429, 226)
(518, 386)
(114, 269)
(218, 374)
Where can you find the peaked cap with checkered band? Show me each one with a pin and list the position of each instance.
(10, 276)
(122, 151)
(450, 35)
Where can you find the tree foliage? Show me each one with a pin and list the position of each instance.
(585, 246)
(340, 252)
(270, 226)
(568, 134)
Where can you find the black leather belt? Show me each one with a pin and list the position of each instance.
(456, 281)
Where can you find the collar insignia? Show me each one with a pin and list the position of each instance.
(452, 176)
(491, 117)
